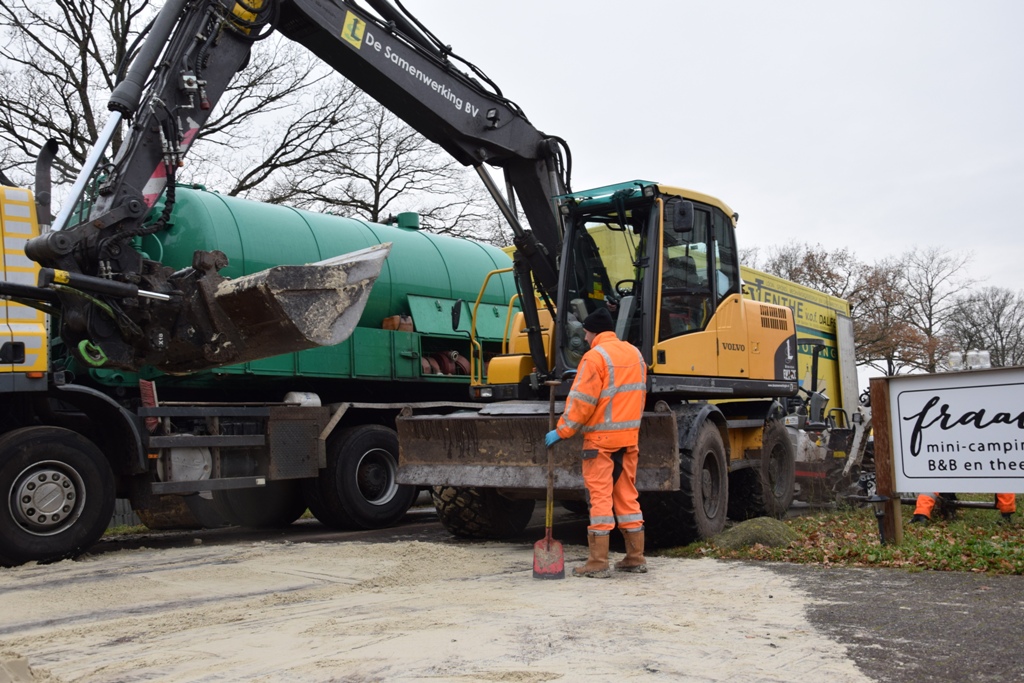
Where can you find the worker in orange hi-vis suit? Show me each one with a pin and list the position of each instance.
(605, 403)
(1006, 503)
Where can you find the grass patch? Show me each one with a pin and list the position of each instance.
(975, 541)
(125, 529)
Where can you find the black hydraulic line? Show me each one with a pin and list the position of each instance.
(447, 51)
(14, 290)
(404, 26)
(126, 60)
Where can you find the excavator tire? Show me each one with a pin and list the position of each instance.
(480, 512)
(697, 510)
(766, 490)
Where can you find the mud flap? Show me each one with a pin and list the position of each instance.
(503, 447)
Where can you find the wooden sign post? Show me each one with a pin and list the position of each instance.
(885, 474)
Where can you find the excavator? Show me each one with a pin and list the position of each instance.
(662, 259)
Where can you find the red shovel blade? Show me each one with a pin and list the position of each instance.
(548, 559)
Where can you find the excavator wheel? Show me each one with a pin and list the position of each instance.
(766, 490)
(698, 509)
(470, 512)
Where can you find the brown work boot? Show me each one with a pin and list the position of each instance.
(597, 564)
(634, 562)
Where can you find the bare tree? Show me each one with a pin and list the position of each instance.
(60, 58)
(837, 272)
(751, 257)
(931, 281)
(286, 130)
(884, 339)
(991, 319)
(389, 168)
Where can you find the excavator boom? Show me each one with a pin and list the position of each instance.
(124, 310)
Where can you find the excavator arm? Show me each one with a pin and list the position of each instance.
(124, 310)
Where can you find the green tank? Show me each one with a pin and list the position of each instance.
(423, 277)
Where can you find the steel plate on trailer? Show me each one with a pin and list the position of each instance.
(506, 450)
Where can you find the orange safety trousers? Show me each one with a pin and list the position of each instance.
(1005, 502)
(610, 476)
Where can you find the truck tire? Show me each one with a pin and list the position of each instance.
(481, 512)
(766, 490)
(698, 510)
(58, 494)
(359, 487)
(273, 506)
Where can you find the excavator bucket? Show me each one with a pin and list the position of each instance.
(312, 305)
(502, 446)
(284, 309)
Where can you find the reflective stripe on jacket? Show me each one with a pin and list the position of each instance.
(607, 398)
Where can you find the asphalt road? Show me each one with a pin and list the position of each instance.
(899, 626)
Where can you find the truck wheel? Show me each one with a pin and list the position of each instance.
(275, 505)
(359, 487)
(480, 512)
(58, 494)
(698, 510)
(767, 490)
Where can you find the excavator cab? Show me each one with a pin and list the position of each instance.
(664, 262)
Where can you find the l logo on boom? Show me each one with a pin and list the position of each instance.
(353, 30)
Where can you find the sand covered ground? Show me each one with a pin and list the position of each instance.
(403, 611)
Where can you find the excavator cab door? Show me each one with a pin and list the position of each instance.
(699, 272)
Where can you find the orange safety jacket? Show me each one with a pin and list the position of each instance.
(607, 398)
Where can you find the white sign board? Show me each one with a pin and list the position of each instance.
(959, 431)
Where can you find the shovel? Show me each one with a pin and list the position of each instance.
(548, 558)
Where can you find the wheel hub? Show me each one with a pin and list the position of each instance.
(47, 497)
(709, 487)
(376, 477)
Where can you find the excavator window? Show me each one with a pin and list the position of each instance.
(686, 285)
(727, 276)
(606, 269)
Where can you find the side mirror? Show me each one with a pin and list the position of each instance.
(682, 216)
(456, 315)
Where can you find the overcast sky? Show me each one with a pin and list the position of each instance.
(872, 125)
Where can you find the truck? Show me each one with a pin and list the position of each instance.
(828, 422)
(254, 443)
(723, 366)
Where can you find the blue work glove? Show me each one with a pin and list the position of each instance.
(551, 438)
